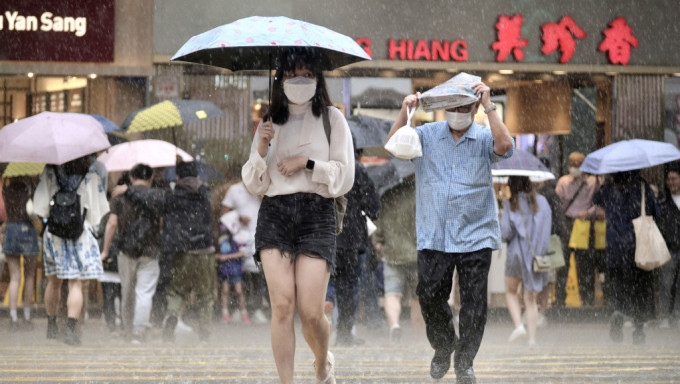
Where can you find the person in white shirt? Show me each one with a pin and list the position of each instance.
(300, 171)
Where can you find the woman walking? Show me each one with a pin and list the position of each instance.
(73, 259)
(20, 239)
(292, 164)
(632, 288)
(525, 225)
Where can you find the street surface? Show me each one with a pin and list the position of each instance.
(567, 352)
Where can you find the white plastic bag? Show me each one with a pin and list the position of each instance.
(370, 226)
(405, 143)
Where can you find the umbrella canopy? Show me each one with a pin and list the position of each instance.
(109, 126)
(205, 172)
(522, 163)
(52, 138)
(254, 43)
(154, 153)
(170, 113)
(390, 174)
(629, 155)
(369, 131)
(23, 169)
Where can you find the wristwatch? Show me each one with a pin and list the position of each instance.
(310, 165)
(492, 107)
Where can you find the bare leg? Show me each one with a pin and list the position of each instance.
(14, 264)
(29, 279)
(417, 321)
(532, 314)
(512, 300)
(542, 299)
(311, 280)
(393, 309)
(280, 276)
(52, 295)
(74, 303)
(225, 297)
(238, 287)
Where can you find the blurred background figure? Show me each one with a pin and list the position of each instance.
(526, 222)
(21, 239)
(669, 225)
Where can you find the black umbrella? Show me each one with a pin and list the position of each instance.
(369, 131)
(390, 174)
(205, 172)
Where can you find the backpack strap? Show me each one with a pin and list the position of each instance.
(326, 124)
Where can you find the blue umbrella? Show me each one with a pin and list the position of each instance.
(629, 155)
(521, 163)
(109, 126)
(205, 172)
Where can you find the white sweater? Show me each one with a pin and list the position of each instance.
(303, 135)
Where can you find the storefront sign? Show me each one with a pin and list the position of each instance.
(561, 36)
(63, 30)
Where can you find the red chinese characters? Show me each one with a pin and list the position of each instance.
(618, 40)
(561, 35)
(509, 38)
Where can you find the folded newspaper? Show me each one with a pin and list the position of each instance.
(455, 92)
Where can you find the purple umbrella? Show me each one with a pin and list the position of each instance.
(52, 138)
(521, 163)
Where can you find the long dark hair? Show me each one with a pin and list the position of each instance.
(520, 184)
(278, 111)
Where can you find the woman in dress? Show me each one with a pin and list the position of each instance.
(525, 225)
(292, 164)
(20, 239)
(77, 259)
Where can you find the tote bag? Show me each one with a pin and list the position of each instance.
(651, 251)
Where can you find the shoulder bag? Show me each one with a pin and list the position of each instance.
(540, 263)
(340, 201)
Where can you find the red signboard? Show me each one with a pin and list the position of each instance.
(57, 30)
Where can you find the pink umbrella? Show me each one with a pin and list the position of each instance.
(52, 138)
(154, 153)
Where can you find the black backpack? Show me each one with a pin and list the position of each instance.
(133, 242)
(66, 219)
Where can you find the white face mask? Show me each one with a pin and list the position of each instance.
(459, 121)
(299, 90)
(574, 171)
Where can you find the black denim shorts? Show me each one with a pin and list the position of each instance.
(297, 223)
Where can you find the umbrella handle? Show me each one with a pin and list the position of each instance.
(409, 115)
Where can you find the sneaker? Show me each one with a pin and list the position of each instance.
(236, 316)
(518, 333)
(183, 327)
(616, 327)
(226, 318)
(259, 317)
(395, 334)
(245, 319)
(137, 338)
(169, 329)
(330, 379)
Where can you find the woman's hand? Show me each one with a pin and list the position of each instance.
(291, 165)
(266, 133)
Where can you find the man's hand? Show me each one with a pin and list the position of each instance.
(583, 215)
(118, 190)
(266, 133)
(411, 101)
(291, 165)
(482, 91)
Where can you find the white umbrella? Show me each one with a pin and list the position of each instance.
(629, 155)
(154, 153)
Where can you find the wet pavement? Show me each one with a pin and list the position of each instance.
(567, 352)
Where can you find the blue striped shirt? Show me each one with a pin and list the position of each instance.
(455, 207)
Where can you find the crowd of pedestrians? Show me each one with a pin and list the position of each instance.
(285, 243)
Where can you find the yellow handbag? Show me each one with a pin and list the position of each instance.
(600, 234)
(580, 234)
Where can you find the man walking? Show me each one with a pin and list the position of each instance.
(138, 256)
(456, 223)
